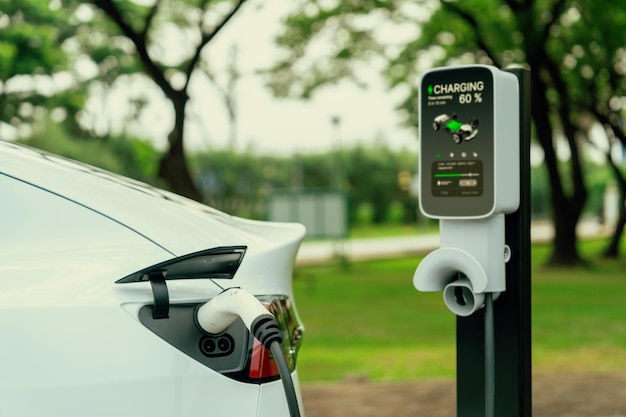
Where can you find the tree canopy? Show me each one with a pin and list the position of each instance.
(82, 47)
(34, 70)
(573, 49)
(199, 22)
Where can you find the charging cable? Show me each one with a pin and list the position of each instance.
(490, 361)
(221, 311)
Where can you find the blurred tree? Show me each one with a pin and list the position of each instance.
(372, 177)
(316, 170)
(593, 64)
(34, 70)
(228, 91)
(237, 183)
(128, 156)
(198, 22)
(561, 40)
(616, 136)
(539, 194)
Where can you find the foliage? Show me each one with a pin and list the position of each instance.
(347, 41)
(130, 157)
(30, 35)
(539, 193)
(598, 175)
(372, 175)
(239, 183)
(79, 48)
(33, 63)
(571, 51)
(145, 28)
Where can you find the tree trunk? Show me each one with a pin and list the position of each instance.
(173, 168)
(565, 248)
(612, 250)
(565, 210)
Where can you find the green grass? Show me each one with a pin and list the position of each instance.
(365, 231)
(391, 229)
(369, 321)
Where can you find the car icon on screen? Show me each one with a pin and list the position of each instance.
(460, 131)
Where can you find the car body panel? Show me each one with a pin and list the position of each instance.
(72, 341)
(184, 226)
(64, 363)
(272, 403)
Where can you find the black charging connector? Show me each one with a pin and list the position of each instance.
(219, 312)
(265, 329)
(285, 377)
(490, 361)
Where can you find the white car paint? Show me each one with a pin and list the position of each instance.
(72, 344)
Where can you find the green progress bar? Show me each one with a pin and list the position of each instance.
(446, 175)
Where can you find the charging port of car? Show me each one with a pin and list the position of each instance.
(225, 352)
(213, 347)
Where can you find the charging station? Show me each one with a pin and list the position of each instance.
(474, 174)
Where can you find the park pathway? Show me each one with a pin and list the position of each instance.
(312, 252)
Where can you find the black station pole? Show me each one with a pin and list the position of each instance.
(511, 310)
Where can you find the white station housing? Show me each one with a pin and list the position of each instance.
(469, 178)
(469, 142)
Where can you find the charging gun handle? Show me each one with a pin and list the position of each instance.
(221, 311)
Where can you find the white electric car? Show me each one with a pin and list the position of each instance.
(100, 281)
